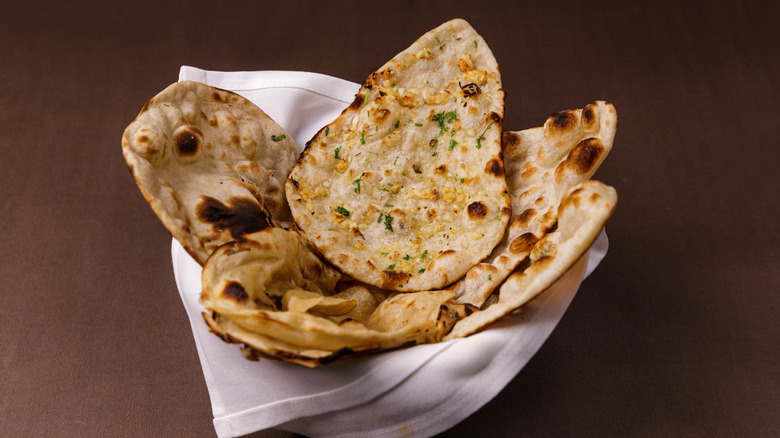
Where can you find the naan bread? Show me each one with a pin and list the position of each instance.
(271, 292)
(542, 164)
(211, 164)
(582, 214)
(557, 213)
(406, 190)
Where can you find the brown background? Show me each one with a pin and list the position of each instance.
(676, 333)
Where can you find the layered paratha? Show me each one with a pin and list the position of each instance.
(211, 164)
(406, 190)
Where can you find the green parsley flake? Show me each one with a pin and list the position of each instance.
(363, 137)
(396, 161)
(327, 130)
(445, 117)
(452, 144)
(421, 271)
(337, 150)
(342, 211)
(389, 223)
(278, 138)
(482, 137)
(424, 254)
(391, 267)
(407, 257)
(357, 181)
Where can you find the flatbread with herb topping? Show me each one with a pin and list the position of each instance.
(211, 164)
(406, 190)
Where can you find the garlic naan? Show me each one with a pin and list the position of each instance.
(406, 190)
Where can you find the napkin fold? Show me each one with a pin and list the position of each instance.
(417, 391)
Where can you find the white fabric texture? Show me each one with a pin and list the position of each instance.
(417, 391)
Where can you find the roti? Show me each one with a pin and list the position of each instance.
(271, 292)
(548, 169)
(584, 211)
(406, 189)
(418, 219)
(542, 165)
(211, 164)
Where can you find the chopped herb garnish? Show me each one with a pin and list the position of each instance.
(490, 277)
(389, 205)
(442, 118)
(278, 138)
(380, 217)
(434, 154)
(327, 130)
(475, 44)
(407, 257)
(418, 124)
(391, 267)
(397, 122)
(452, 144)
(384, 254)
(424, 254)
(383, 188)
(365, 98)
(357, 181)
(342, 211)
(482, 136)
(363, 137)
(389, 222)
(421, 271)
(337, 150)
(396, 160)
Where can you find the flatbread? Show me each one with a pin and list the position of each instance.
(583, 212)
(271, 292)
(406, 190)
(542, 164)
(211, 164)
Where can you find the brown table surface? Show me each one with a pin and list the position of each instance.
(676, 333)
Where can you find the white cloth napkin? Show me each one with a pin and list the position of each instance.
(417, 391)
